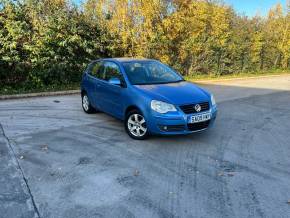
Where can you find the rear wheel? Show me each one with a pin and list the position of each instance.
(87, 107)
(135, 125)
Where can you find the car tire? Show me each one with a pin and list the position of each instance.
(136, 126)
(86, 105)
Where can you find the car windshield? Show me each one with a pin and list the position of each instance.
(150, 72)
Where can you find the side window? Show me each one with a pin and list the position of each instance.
(97, 70)
(112, 70)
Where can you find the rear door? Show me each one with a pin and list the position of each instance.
(112, 94)
(95, 75)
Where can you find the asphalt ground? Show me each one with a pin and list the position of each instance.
(57, 161)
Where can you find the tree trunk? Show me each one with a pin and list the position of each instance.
(277, 60)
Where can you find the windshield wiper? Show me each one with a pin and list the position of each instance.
(156, 83)
(177, 81)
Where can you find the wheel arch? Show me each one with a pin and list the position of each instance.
(83, 91)
(131, 108)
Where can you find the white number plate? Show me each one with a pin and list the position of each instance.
(199, 118)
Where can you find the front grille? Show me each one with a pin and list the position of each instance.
(172, 128)
(198, 126)
(190, 108)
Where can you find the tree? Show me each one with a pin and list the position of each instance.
(278, 35)
(49, 42)
(15, 32)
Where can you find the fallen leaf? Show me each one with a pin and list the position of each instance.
(221, 174)
(136, 173)
(21, 157)
(44, 147)
(230, 174)
(56, 101)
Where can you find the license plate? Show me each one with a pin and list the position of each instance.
(199, 118)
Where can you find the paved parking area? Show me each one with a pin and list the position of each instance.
(56, 161)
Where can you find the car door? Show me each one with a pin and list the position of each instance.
(95, 75)
(112, 94)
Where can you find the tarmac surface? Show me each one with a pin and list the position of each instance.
(57, 161)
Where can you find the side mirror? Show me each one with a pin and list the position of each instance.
(115, 81)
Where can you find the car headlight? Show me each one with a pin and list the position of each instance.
(212, 100)
(162, 107)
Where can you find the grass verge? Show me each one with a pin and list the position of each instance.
(197, 77)
(24, 90)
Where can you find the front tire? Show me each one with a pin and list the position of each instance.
(86, 105)
(136, 126)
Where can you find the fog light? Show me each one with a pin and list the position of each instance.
(172, 128)
(163, 128)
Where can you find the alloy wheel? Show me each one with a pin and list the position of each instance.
(137, 125)
(86, 103)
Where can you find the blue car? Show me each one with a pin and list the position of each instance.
(150, 97)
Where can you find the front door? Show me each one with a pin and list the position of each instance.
(112, 94)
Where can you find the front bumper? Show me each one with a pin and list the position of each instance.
(177, 123)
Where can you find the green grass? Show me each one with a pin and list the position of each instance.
(23, 89)
(74, 86)
(236, 75)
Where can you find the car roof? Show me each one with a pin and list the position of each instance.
(124, 60)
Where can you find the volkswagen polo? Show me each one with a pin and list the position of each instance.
(149, 96)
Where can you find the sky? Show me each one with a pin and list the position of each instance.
(247, 7)
(251, 7)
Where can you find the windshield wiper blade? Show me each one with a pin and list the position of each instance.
(156, 83)
(177, 81)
